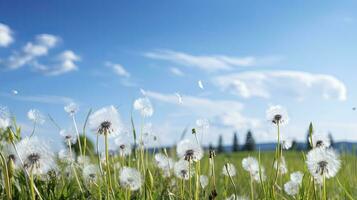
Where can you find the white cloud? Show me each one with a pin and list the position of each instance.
(209, 63)
(223, 112)
(65, 62)
(32, 50)
(297, 84)
(176, 71)
(6, 37)
(47, 99)
(118, 69)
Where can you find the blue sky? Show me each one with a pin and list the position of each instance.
(248, 54)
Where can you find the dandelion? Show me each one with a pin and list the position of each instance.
(144, 106)
(66, 156)
(259, 175)
(35, 116)
(320, 141)
(291, 188)
(83, 160)
(4, 117)
(183, 169)
(36, 155)
(250, 164)
(229, 170)
(71, 108)
(90, 173)
(124, 147)
(164, 162)
(68, 137)
(105, 121)
(323, 163)
(296, 177)
(203, 181)
(189, 150)
(130, 178)
(277, 115)
(282, 169)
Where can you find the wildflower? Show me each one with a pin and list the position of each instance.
(66, 156)
(250, 164)
(68, 136)
(323, 163)
(202, 123)
(130, 178)
(36, 155)
(277, 115)
(71, 108)
(105, 121)
(183, 170)
(282, 169)
(90, 173)
(189, 150)
(296, 177)
(124, 147)
(144, 106)
(35, 116)
(203, 181)
(320, 141)
(4, 118)
(291, 188)
(229, 170)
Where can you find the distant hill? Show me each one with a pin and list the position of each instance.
(339, 146)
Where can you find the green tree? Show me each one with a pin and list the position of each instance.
(235, 146)
(332, 141)
(249, 142)
(220, 144)
(294, 146)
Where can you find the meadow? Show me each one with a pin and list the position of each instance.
(30, 170)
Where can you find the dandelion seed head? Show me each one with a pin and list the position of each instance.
(83, 160)
(144, 106)
(203, 181)
(277, 115)
(90, 173)
(250, 164)
(124, 147)
(189, 150)
(323, 162)
(66, 156)
(291, 188)
(130, 178)
(320, 141)
(68, 136)
(106, 121)
(71, 108)
(282, 169)
(182, 169)
(229, 170)
(296, 177)
(36, 116)
(36, 155)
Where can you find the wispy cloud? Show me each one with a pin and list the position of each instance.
(6, 37)
(118, 69)
(46, 99)
(176, 71)
(209, 63)
(298, 84)
(65, 62)
(222, 112)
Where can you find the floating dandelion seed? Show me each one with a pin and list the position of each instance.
(203, 181)
(35, 116)
(277, 115)
(200, 84)
(71, 108)
(189, 150)
(291, 188)
(15, 92)
(36, 155)
(182, 169)
(90, 173)
(179, 97)
(229, 170)
(323, 163)
(106, 121)
(130, 178)
(144, 106)
(282, 169)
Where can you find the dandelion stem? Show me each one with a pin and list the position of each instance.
(251, 188)
(110, 188)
